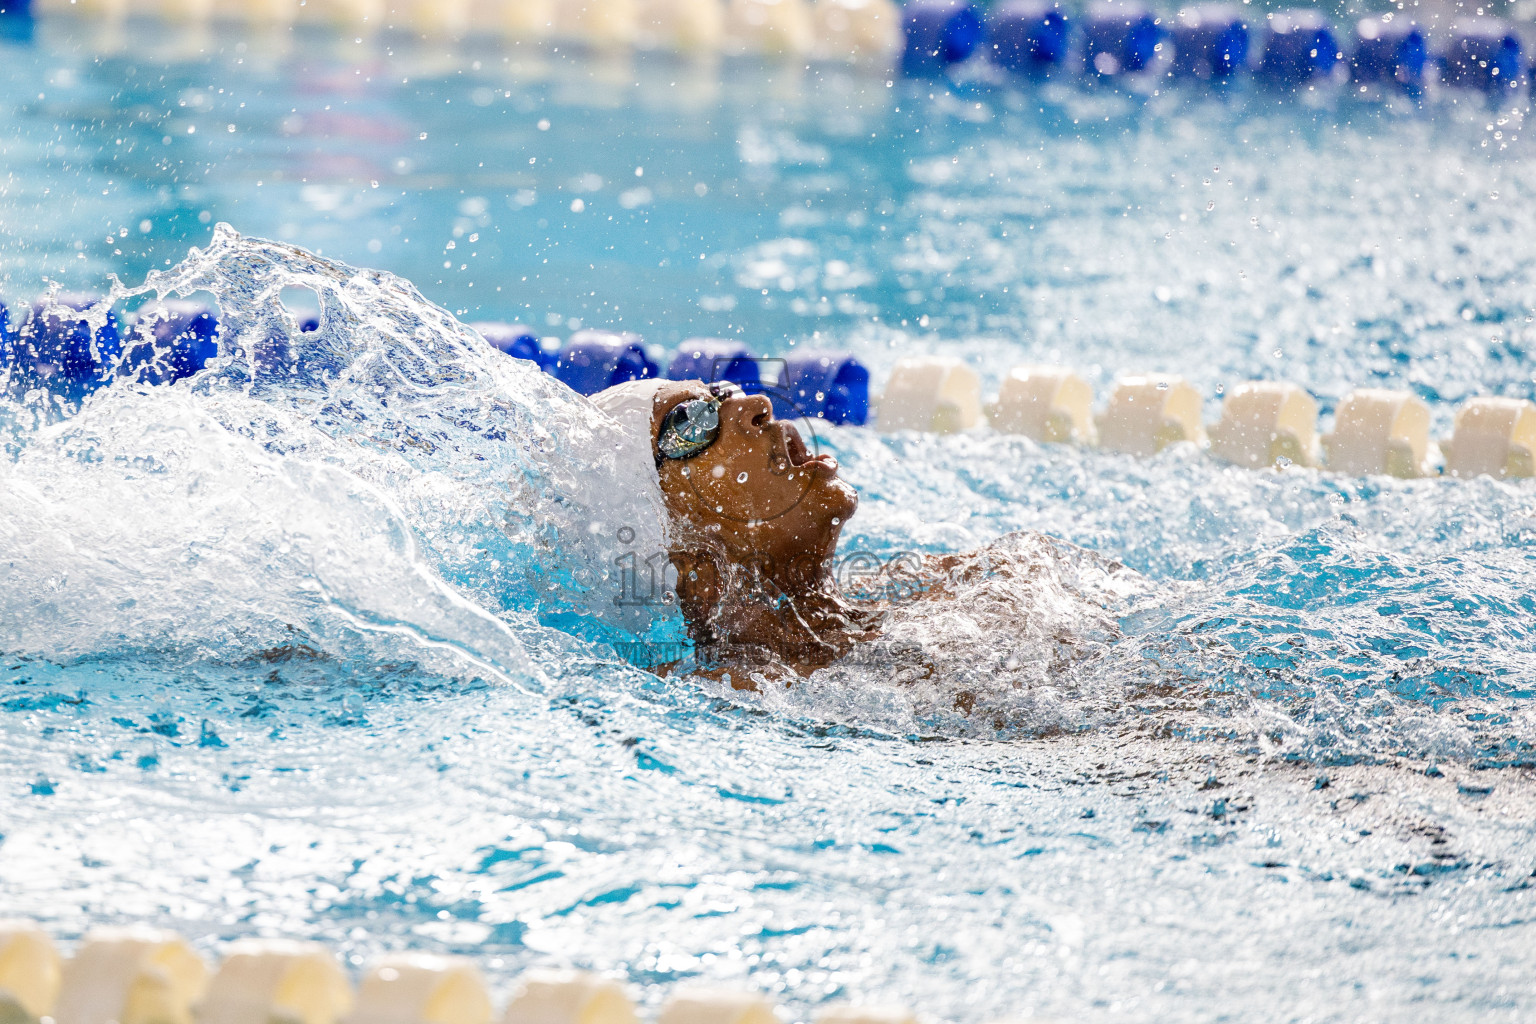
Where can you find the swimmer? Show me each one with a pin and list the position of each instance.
(753, 525)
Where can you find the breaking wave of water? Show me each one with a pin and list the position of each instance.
(386, 486)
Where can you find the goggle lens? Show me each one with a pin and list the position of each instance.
(692, 426)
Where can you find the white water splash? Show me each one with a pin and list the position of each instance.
(387, 476)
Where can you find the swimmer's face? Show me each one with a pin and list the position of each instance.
(756, 490)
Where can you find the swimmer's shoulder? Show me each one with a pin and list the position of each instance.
(1019, 554)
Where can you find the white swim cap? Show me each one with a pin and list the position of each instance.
(633, 404)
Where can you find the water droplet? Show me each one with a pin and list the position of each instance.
(717, 472)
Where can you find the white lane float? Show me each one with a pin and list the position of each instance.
(435, 19)
(131, 976)
(1496, 436)
(1046, 403)
(352, 15)
(96, 10)
(1149, 412)
(773, 28)
(262, 981)
(174, 10)
(256, 12)
(546, 996)
(851, 1013)
(416, 988)
(932, 394)
(858, 31)
(1379, 431)
(683, 26)
(600, 24)
(30, 972)
(714, 1006)
(520, 20)
(1266, 423)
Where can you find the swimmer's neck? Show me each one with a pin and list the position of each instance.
(796, 612)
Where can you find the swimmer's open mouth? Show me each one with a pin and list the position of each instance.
(799, 455)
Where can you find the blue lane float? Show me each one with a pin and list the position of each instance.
(1387, 51)
(171, 341)
(1299, 47)
(56, 348)
(517, 341)
(1029, 37)
(715, 359)
(7, 345)
(939, 33)
(594, 360)
(16, 22)
(1210, 42)
(1119, 38)
(832, 386)
(1482, 53)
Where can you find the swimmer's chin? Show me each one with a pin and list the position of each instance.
(849, 495)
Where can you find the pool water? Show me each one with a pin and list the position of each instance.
(328, 649)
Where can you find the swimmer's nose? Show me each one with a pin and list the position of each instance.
(750, 414)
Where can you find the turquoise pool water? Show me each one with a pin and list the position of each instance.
(1295, 785)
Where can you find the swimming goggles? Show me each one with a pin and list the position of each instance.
(692, 426)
